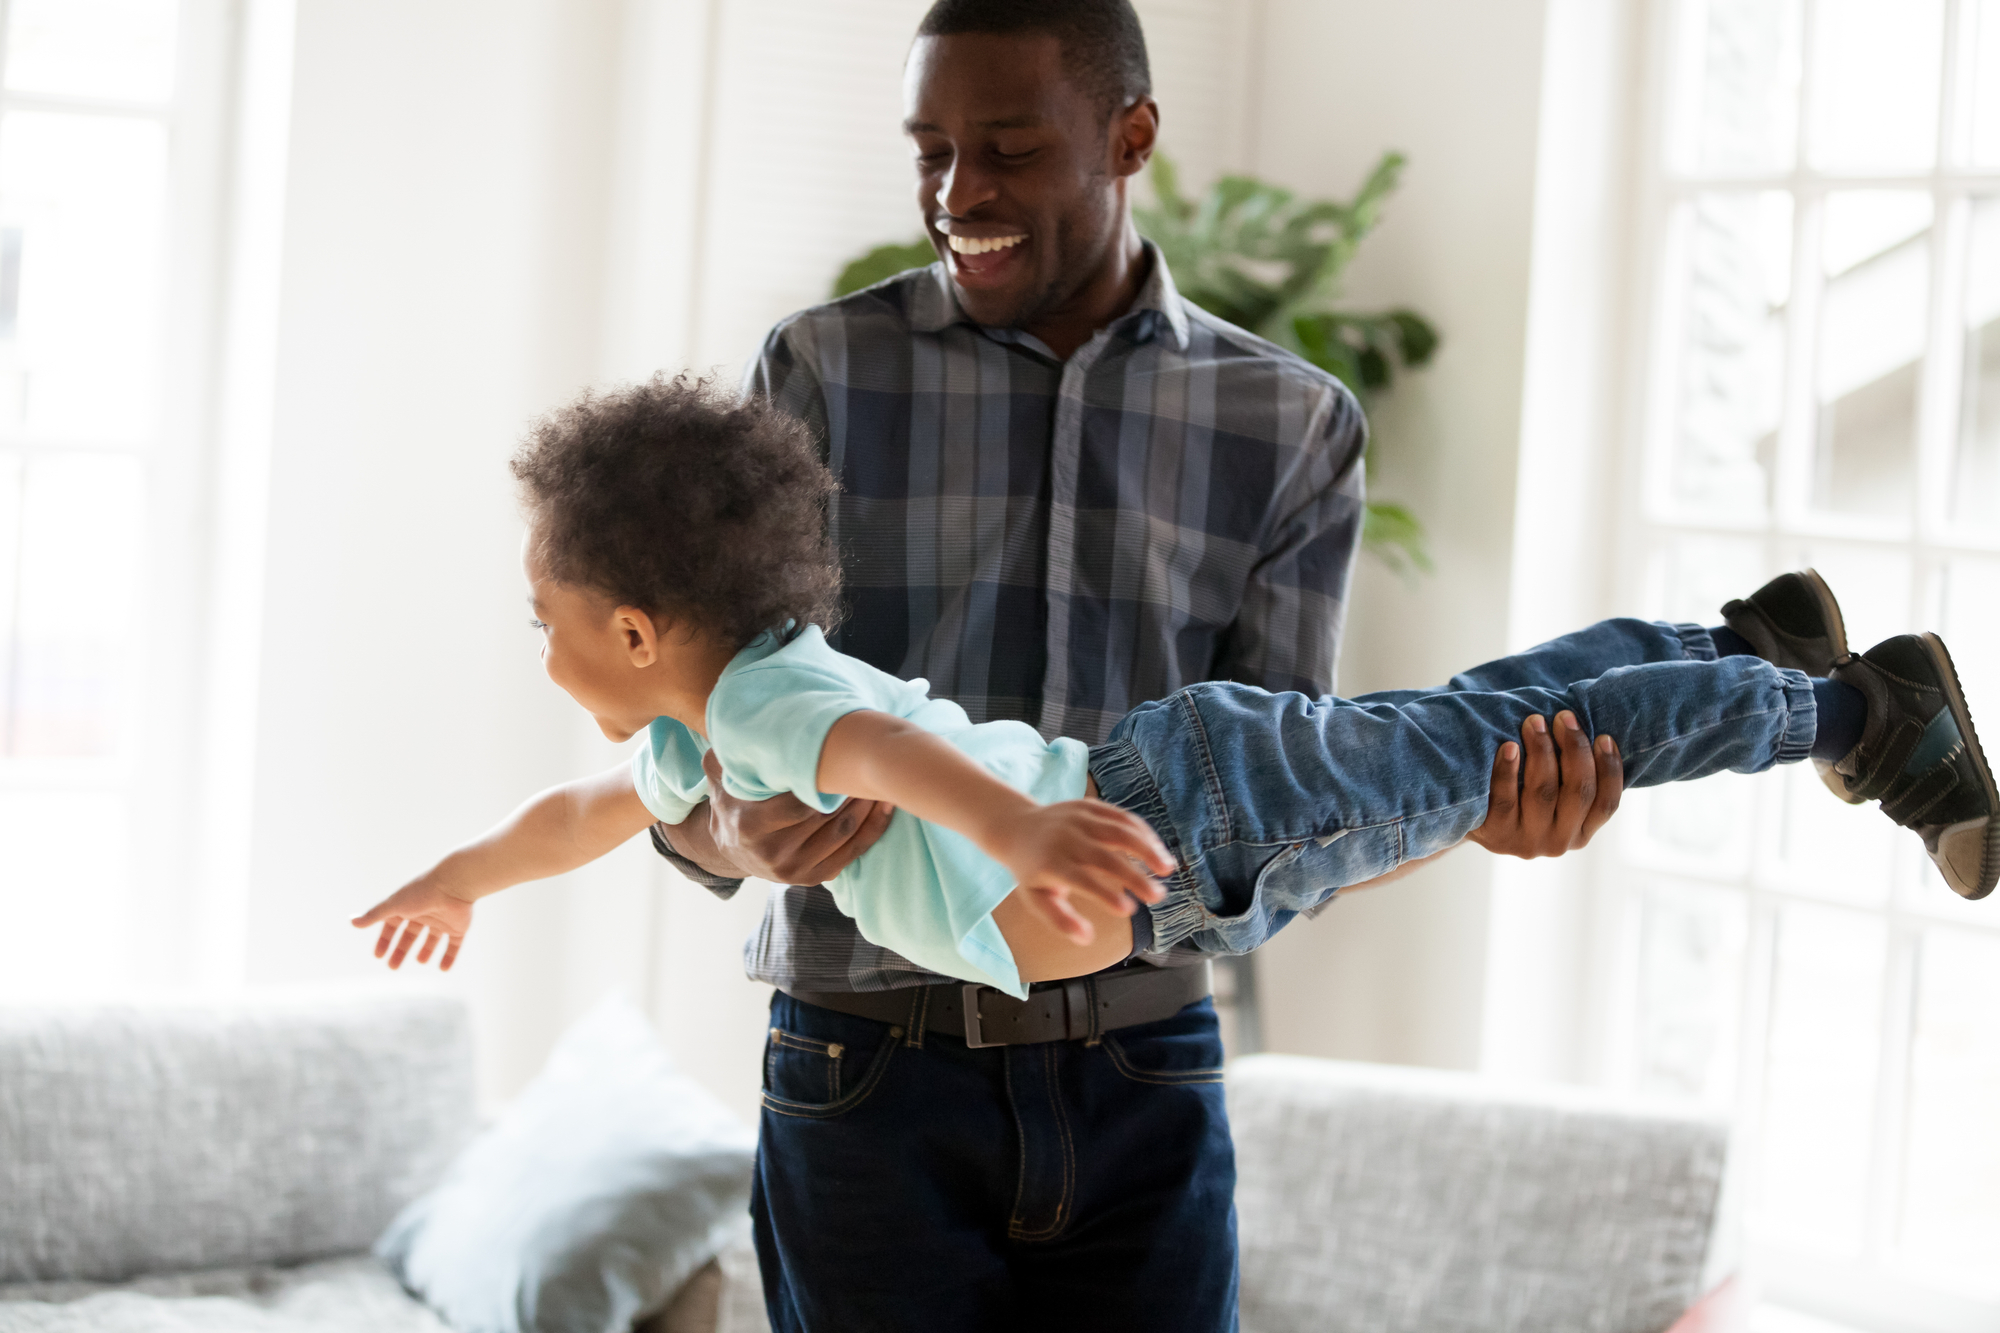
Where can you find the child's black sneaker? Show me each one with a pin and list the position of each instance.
(1793, 621)
(1920, 757)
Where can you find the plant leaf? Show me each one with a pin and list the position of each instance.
(884, 261)
(1392, 534)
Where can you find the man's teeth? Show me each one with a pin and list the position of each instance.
(976, 245)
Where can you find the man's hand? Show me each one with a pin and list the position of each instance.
(419, 906)
(783, 840)
(1553, 805)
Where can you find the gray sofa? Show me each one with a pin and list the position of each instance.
(227, 1167)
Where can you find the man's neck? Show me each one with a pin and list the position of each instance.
(1108, 294)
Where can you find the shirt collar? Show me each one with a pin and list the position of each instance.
(934, 305)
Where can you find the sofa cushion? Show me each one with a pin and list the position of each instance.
(351, 1295)
(169, 1138)
(1382, 1200)
(602, 1187)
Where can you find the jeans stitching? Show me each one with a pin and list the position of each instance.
(1055, 1226)
(1020, 1143)
(1163, 1077)
(1211, 781)
(840, 1105)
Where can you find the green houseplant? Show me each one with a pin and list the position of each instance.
(1260, 257)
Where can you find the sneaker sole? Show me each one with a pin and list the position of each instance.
(1983, 834)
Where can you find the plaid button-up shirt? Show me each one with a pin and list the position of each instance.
(1055, 541)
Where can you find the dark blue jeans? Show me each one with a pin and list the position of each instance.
(1271, 803)
(906, 1182)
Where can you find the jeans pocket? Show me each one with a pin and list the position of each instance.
(1184, 1049)
(805, 1076)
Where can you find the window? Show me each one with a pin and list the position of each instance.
(1823, 387)
(95, 134)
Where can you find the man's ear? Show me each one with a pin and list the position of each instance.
(641, 636)
(1134, 133)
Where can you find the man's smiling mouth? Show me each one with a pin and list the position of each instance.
(979, 245)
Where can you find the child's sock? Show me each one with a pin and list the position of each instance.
(1728, 643)
(1843, 712)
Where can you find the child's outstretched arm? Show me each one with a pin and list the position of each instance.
(556, 831)
(1087, 847)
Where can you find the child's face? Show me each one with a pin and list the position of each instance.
(602, 655)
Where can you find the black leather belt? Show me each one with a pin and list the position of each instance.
(1079, 1009)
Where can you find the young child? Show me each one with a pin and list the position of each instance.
(681, 578)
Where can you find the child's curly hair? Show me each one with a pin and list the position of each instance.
(679, 498)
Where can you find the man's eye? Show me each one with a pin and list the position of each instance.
(537, 625)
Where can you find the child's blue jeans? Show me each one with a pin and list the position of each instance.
(1273, 802)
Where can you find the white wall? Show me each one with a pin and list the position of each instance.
(1399, 973)
(438, 287)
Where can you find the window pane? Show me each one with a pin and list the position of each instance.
(79, 540)
(1691, 961)
(1985, 32)
(1875, 252)
(1951, 1211)
(65, 896)
(1875, 84)
(82, 198)
(1701, 827)
(121, 49)
(1734, 292)
(1747, 108)
(1820, 1076)
(1976, 497)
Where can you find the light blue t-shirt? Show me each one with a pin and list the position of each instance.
(922, 890)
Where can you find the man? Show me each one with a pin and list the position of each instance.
(1065, 491)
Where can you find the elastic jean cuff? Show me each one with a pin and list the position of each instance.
(1124, 780)
(1802, 717)
(1696, 642)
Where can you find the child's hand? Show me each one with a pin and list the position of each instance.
(420, 906)
(1085, 847)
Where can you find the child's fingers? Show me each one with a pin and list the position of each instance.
(372, 915)
(1064, 918)
(388, 936)
(431, 942)
(450, 954)
(411, 930)
(1137, 837)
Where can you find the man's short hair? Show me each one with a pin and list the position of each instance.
(1104, 49)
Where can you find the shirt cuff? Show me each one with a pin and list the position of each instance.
(721, 886)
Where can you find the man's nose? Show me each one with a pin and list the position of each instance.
(964, 187)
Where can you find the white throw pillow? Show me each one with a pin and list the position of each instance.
(606, 1183)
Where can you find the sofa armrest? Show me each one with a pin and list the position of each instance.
(1416, 1201)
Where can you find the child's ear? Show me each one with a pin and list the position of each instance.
(642, 639)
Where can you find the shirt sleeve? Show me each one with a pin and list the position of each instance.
(1286, 635)
(784, 377)
(667, 772)
(768, 723)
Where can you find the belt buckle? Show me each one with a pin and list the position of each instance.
(968, 1003)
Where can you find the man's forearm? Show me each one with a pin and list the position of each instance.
(694, 839)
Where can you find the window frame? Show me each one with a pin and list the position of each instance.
(1876, 1292)
(150, 782)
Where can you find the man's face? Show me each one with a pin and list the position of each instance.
(1018, 171)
